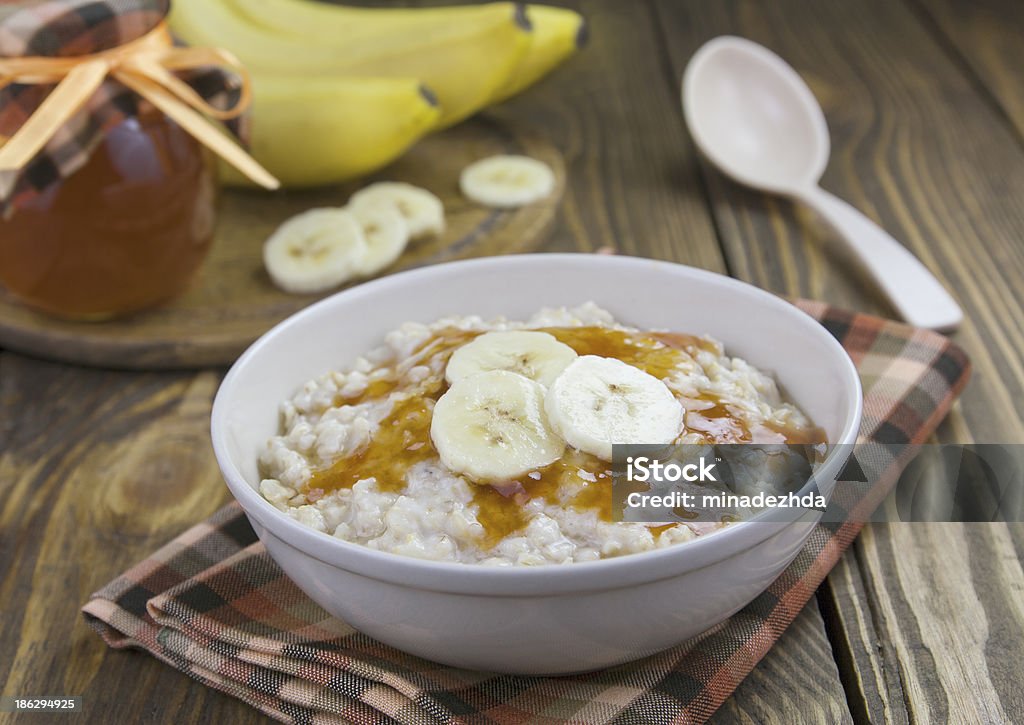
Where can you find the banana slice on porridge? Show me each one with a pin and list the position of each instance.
(491, 426)
(599, 401)
(535, 355)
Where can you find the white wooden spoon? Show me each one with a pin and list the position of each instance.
(755, 119)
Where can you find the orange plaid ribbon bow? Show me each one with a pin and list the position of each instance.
(146, 66)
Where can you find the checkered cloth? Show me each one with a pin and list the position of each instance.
(63, 28)
(213, 604)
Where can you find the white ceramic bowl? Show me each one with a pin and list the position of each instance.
(552, 619)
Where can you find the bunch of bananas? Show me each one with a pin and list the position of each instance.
(341, 91)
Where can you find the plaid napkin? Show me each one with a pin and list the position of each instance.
(62, 28)
(213, 604)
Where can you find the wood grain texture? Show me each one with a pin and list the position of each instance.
(866, 658)
(946, 598)
(613, 111)
(918, 145)
(915, 146)
(786, 685)
(232, 300)
(98, 468)
(985, 35)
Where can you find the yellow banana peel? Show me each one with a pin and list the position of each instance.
(557, 34)
(464, 63)
(324, 130)
(340, 91)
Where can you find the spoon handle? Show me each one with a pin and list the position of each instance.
(913, 290)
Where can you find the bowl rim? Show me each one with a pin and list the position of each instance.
(455, 577)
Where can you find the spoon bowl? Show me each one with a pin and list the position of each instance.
(754, 118)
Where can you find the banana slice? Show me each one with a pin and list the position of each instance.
(491, 427)
(386, 233)
(315, 251)
(535, 355)
(423, 212)
(506, 182)
(598, 401)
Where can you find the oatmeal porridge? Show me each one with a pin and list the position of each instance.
(489, 442)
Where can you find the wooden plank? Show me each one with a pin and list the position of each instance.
(919, 147)
(915, 146)
(101, 469)
(786, 686)
(867, 661)
(988, 38)
(946, 596)
(614, 114)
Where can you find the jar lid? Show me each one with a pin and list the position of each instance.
(62, 28)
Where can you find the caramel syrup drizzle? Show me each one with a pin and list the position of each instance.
(578, 480)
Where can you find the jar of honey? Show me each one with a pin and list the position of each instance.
(107, 136)
(126, 231)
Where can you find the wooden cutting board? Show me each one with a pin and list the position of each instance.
(232, 301)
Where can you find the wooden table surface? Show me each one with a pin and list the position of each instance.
(925, 102)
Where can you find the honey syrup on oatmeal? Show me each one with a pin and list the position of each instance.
(656, 354)
(401, 441)
(577, 480)
(437, 349)
(403, 438)
(717, 421)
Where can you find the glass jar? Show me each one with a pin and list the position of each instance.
(125, 232)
